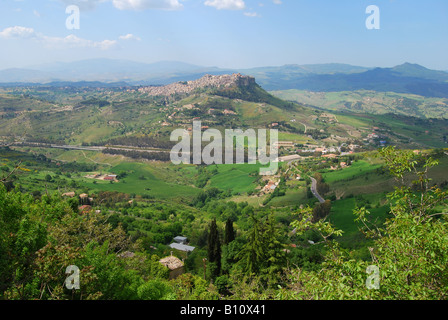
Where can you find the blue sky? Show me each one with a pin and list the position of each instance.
(226, 33)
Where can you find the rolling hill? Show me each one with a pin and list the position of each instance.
(406, 78)
(370, 102)
(127, 115)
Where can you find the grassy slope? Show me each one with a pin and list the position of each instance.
(370, 102)
(141, 179)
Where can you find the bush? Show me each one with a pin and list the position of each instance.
(155, 290)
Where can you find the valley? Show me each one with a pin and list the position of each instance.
(105, 151)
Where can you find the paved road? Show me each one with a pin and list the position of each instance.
(314, 190)
(95, 148)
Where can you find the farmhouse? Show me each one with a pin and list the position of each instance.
(180, 239)
(343, 164)
(271, 186)
(175, 265)
(227, 112)
(182, 247)
(180, 243)
(85, 209)
(69, 194)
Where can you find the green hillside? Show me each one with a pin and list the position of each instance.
(371, 102)
(123, 116)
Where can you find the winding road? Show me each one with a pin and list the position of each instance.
(314, 190)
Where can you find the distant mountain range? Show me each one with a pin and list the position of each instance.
(405, 78)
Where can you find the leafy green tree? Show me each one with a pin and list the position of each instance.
(22, 233)
(410, 250)
(230, 253)
(191, 287)
(252, 255)
(155, 290)
(275, 256)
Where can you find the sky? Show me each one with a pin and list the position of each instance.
(225, 33)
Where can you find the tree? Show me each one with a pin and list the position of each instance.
(214, 249)
(321, 210)
(275, 257)
(410, 250)
(229, 234)
(251, 256)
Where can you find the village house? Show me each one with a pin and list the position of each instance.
(227, 112)
(182, 247)
(270, 186)
(180, 243)
(180, 239)
(174, 264)
(85, 208)
(84, 199)
(69, 194)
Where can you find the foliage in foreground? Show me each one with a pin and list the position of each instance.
(39, 238)
(410, 250)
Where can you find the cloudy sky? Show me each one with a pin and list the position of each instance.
(225, 33)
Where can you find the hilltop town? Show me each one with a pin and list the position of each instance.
(207, 81)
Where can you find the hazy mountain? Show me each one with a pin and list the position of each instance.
(418, 71)
(328, 68)
(164, 72)
(108, 70)
(405, 78)
(92, 67)
(25, 75)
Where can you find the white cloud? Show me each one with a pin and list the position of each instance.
(70, 41)
(226, 4)
(17, 32)
(251, 14)
(129, 36)
(277, 1)
(85, 5)
(147, 4)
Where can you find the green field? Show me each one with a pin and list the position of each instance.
(356, 169)
(342, 218)
(238, 178)
(141, 179)
(292, 197)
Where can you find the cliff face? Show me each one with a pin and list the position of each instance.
(207, 81)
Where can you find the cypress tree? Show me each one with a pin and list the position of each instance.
(229, 235)
(214, 248)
